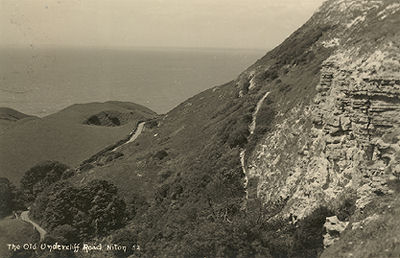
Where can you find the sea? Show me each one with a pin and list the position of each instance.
(41, 81)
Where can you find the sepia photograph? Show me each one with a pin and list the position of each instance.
(199, 128)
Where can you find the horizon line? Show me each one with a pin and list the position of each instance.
(50, 46)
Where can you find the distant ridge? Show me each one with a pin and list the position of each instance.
(9, 117)
(12, 114)
(63, 136)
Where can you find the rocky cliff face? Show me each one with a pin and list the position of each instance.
(345, 141)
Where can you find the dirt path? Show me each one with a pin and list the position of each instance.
(252, 128)
(25, 217)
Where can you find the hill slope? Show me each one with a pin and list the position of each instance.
(9, 117)
(65, 136)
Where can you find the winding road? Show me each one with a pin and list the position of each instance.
(25, 217)
(134, 136)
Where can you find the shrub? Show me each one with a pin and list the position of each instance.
(238, 138)
(137, 206)
(93, 120)
(152, 124)
(309, 234)
(347, 208)
(126, 238)
(394, 185)
(63, 234)
(271, 73)
(164, 174)
(161, 154)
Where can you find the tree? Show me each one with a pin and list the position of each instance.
(106, 211)
(92, 210)
(9, 197)
(37, 178)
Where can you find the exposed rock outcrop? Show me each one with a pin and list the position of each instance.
(333, 227)
(348, 137)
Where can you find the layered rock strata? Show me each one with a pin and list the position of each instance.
(348, 139)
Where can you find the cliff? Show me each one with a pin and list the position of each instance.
(342, 142)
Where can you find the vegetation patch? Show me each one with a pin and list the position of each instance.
(84, 212)
(41, 176)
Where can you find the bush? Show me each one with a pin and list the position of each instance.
(394, 185)
(63, 234)
(164, 175)
(346, 209)
(152, 124)
(112, 156)
(161, 154)
(238, 138)
(137, 206)
(271, 73)
(309, 234)
(126, 238)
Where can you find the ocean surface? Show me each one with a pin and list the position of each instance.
(43, 81)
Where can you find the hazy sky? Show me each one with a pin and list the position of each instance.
(155, 23)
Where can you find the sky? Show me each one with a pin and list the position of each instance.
(250, 24)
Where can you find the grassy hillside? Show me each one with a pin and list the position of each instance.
(170, 142)
(9, 118)
(64, 136)
(17, 232)
(11, 114)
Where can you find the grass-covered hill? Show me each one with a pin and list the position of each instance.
(11, 114)
(66, 136)
(9, 117)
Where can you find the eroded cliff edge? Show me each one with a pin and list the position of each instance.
(343, 140)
